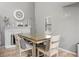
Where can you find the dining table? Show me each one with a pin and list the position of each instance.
(35, 39)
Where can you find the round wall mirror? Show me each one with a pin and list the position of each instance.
(18, 14)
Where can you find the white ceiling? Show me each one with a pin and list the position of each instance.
(59, 4)
(62, 4)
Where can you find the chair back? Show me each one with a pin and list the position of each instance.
(17, 40)
(21, 43)
(54, 42)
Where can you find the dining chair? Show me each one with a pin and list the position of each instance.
(53, 45)
(22, 45)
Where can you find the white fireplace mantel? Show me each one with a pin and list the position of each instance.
(10, 31)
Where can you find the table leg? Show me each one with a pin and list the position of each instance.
(34, 49)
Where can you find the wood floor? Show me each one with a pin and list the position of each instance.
(12, 53)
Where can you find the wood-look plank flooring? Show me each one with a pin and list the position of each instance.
(12, 53)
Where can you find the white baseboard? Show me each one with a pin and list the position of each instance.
(68, 51)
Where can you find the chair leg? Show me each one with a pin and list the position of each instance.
(45, 55)
(32, 53)
(20, 53)
(37, 53)
(57, 54)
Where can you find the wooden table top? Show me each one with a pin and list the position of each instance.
(34, 39)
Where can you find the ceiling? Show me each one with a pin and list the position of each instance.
(64, 4)
(59, 4)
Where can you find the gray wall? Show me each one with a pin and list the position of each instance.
(65, 22)
(7, 9)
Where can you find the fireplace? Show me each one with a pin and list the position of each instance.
(13, 42)
(9, 35)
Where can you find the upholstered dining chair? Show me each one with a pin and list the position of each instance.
(22, 45)
(53, 46)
